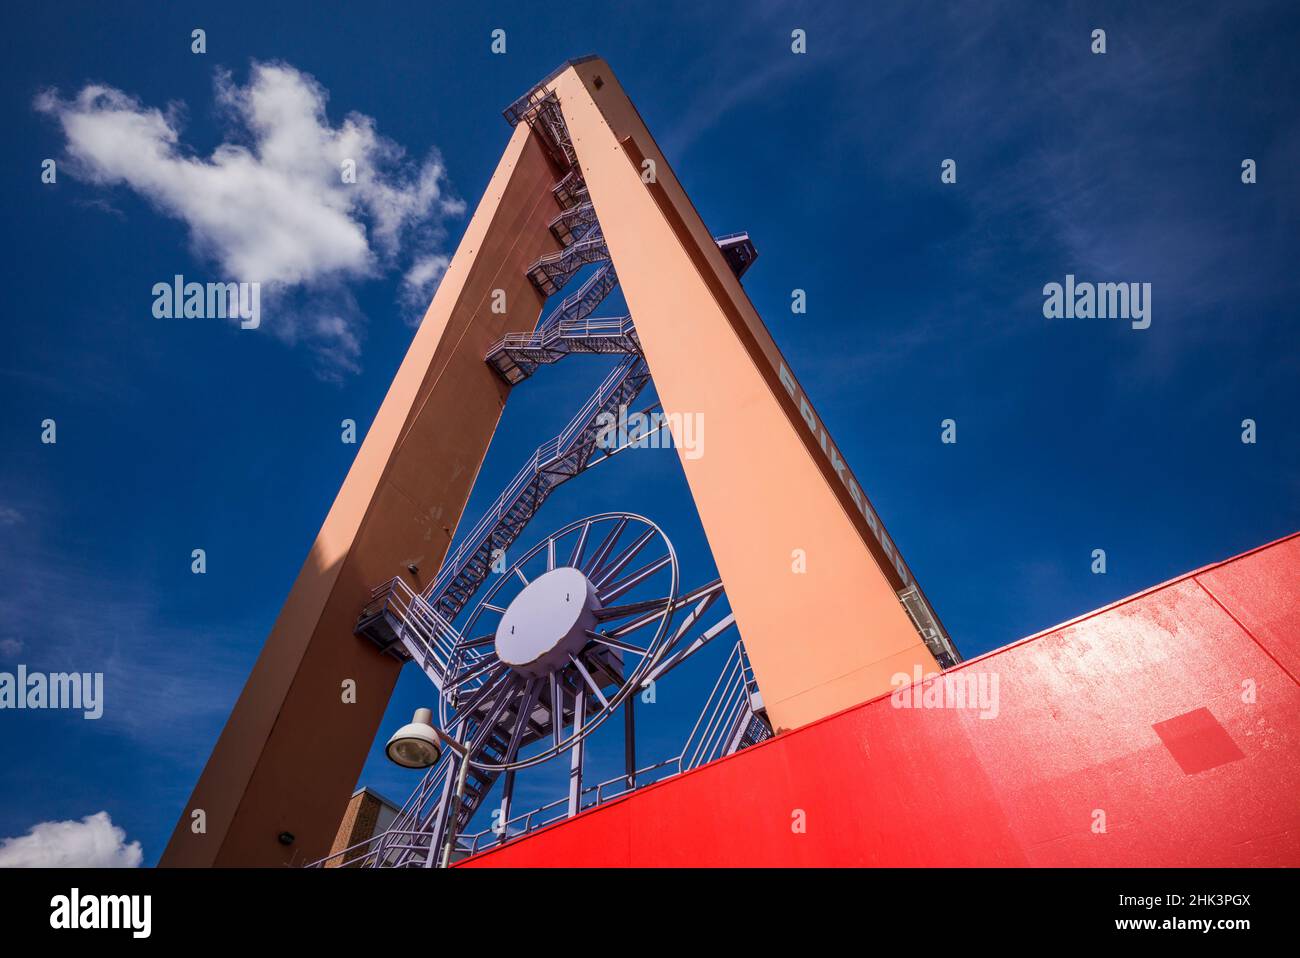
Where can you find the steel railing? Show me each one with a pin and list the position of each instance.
(720, 730)
(725, 714)
(566, 329)
(550, 452)
(427, 636)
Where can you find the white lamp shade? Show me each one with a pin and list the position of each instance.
(415, 745)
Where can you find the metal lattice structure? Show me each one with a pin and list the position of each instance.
(529, 657)
(533, 643)
(515, 715)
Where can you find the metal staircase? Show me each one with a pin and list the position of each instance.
(567, 329)
(580, 305)
(513, 365)
(517, 355)
(493, 732)
(571, 189)
(733, 718)
(551, 272)
(498, 711)
(554, 462)
(573, 223)
(540, 109)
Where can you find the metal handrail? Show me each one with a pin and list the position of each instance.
(569, 336)
(383, 843)
(723, 720)
(587, 297)
(548, 452)
(502, 831)
(565, 329)
(411, 812)
(428, 637)
(572, 186)
(728, 701)
(589, 249)
(718, 730)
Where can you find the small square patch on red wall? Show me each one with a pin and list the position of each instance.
(1197, 741)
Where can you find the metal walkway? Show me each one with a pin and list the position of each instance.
(517, 356)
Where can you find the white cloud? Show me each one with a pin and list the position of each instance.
(10, 648)
(9, 516)
(336, 331)
(420, 282)
(270, 204)
(93, 842)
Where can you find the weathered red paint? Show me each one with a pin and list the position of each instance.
(1139, 711)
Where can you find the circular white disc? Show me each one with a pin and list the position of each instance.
(547, 622)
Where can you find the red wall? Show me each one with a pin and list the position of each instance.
(1135, 710)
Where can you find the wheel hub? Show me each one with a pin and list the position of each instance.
(547, 622)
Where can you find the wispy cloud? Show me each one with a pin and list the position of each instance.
(420, 282)
(289, 200)
(1101, 165)
(64, 614)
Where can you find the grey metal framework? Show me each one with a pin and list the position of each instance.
(618, 553)
(642, 626)
(528, 665)
(517, 355)
(927, 623)
(540, 109)
(571, 189)
(551, 272)
(573, 223)
(514, 365)
(720, 729)
(554, 462)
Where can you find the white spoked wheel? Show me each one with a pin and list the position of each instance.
(566, 633)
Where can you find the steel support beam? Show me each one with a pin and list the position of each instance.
(577, 751)
(821, 640)
(279, 777)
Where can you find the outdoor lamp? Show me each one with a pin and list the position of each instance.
(415, 745)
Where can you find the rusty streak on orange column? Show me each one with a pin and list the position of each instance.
(770, 480)
(290, 754)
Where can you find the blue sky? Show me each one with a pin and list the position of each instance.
(924, 303)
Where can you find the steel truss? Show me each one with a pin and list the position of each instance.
(510, 720)
(732, 718)
(511, 716)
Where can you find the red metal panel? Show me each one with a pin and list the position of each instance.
(1261, 590)
(1136, 713)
